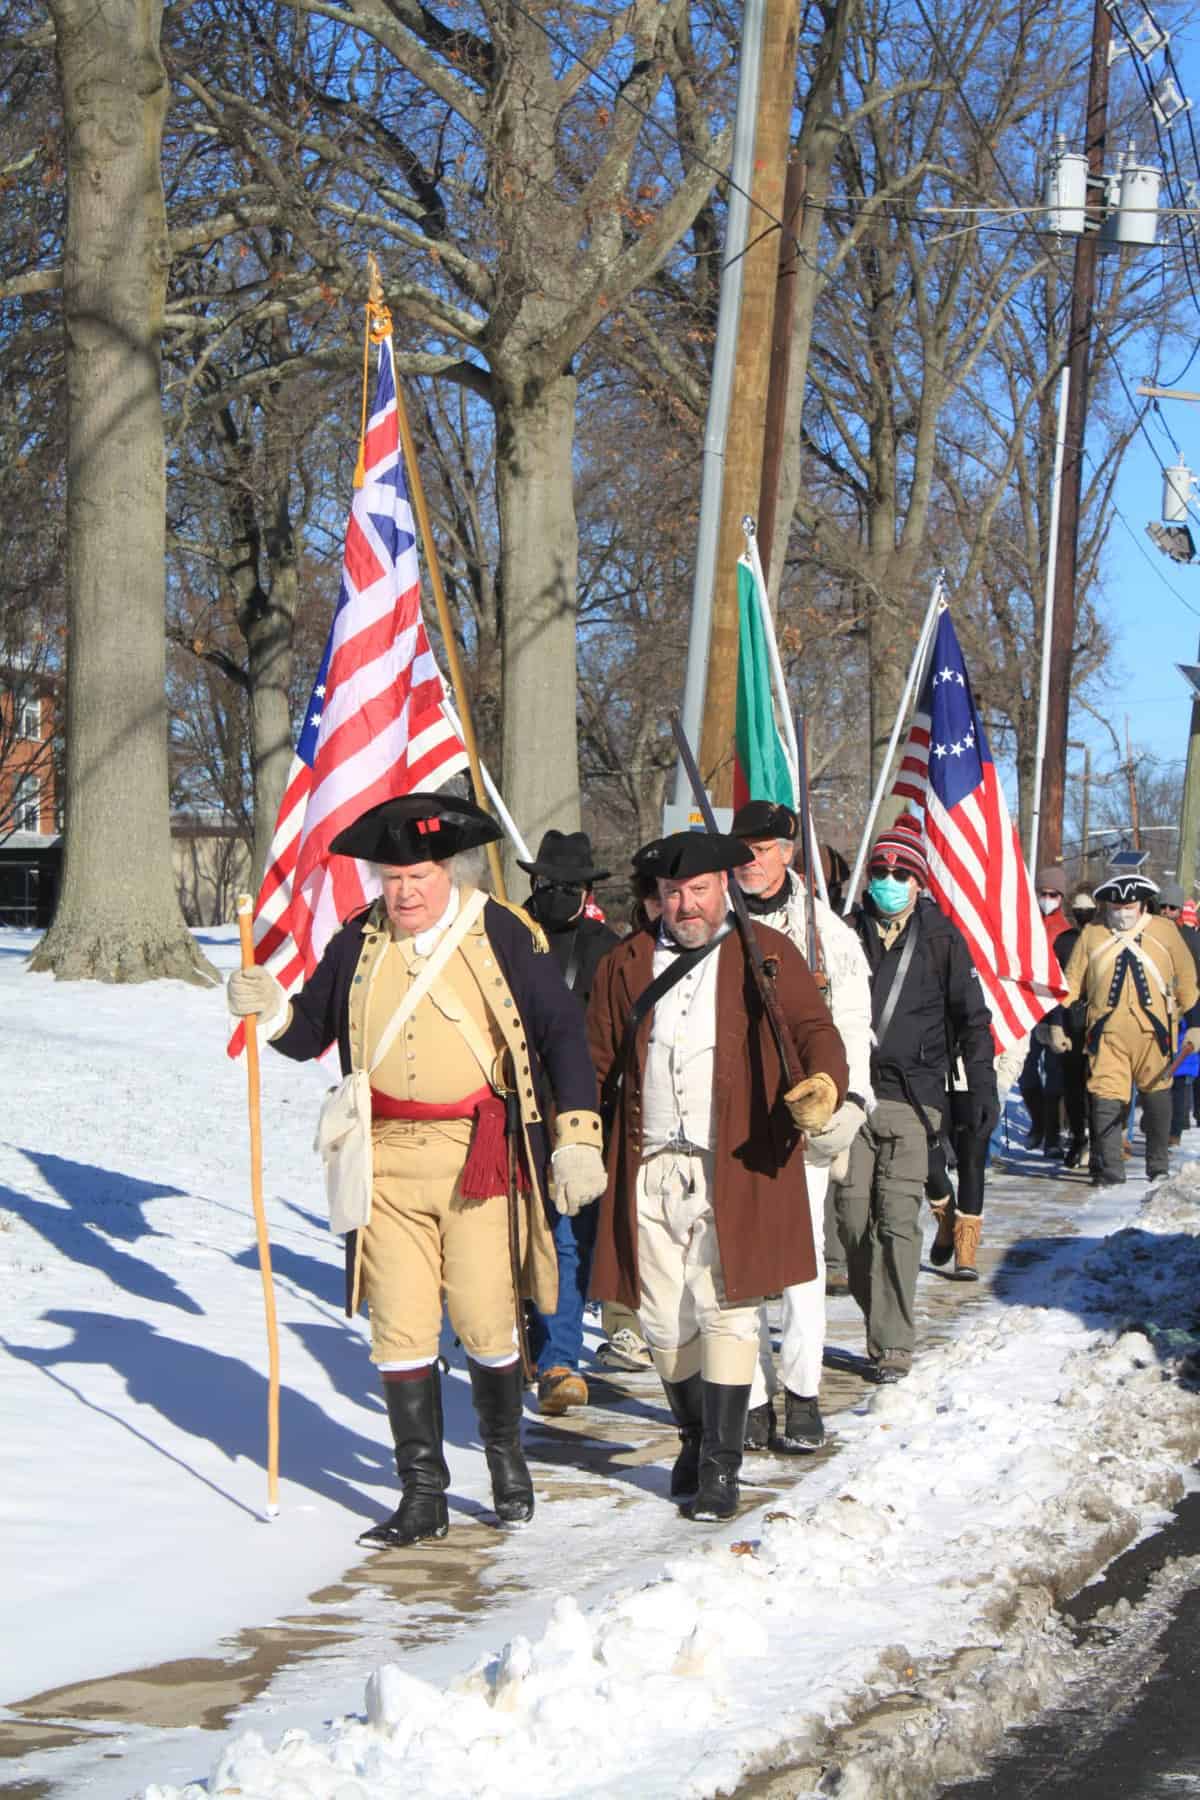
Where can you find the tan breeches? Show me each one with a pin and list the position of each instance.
(424, 1241)
(1124, 1062)
(688, 1323)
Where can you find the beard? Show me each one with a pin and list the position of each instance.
(691, 933)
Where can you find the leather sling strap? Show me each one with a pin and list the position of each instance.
(899, 978)
(676, 969)
(454, 935)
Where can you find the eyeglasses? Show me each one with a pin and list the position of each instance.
(1048, 894)
(1169, 909)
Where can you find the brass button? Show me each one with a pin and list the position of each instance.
(575, 1120)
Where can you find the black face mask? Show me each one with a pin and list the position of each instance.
(555, 907)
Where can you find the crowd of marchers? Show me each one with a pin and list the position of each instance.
(726, 1105)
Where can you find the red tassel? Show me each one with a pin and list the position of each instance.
(486, 1170)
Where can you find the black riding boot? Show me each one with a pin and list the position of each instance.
(1156, 1123)
(684, 1399)
(1108, 1129)
(498, 1395)
(724, 1412)
(415, 1414)
(1035, 1107)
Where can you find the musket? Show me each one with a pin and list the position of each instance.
(816, 952)
(754, 955)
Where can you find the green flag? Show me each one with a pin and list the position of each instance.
(761, 769)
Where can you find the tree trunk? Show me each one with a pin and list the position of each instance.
(539, 552)
(118, 916)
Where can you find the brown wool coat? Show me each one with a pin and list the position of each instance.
(763, 1226)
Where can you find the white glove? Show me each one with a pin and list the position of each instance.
(1058, 1040)
(838, 1135)
(1191, 1040)
(577, 1177)
(254, 991)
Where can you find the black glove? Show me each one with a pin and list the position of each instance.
(982, 1113)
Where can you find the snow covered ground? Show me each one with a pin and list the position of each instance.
(610, 1648)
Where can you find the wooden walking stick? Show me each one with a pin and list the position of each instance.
(245, 911)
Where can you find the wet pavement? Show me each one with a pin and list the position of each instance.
(393, 1602)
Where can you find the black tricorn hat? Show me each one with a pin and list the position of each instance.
(764, 819)
(688, 853)
(565, 856)
(1126, 888)
(416, 828)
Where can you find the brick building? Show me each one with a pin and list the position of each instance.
(30, 844)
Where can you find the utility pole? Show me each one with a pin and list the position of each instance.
(748, 399)
(1083, 292)
(782, 337)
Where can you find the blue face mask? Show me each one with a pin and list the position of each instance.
(889, 895)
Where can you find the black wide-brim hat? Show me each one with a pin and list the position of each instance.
(688, 853)
(764, 819)
(416, 828)
(565, 856)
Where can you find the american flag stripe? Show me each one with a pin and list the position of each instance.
(977, 874)
(375, 727)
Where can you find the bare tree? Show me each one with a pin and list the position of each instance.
(118, 915)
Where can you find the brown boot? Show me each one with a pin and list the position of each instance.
(942, 1248)
(968, 1228)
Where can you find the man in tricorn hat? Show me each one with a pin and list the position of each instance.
(697, 1224)
(493, 1029)
(563, 874)
(1136, 976)
(774, 893)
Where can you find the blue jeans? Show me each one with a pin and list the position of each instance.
(556, 1339)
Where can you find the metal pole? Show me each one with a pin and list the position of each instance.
(929, 624)
(737, 230)
(1060, 438)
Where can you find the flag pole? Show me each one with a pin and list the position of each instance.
(245, 919)
(937, 602)
(421, 513)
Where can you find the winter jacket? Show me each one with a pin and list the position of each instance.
(941, 1012)
(764, 1231)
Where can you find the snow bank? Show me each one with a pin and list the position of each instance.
(1011, 1464)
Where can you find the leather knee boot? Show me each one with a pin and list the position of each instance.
(498, 1396)
(684, 1399)
(1107, 1127)
(415, 1415)
(1156, 1123)
(723, 1410)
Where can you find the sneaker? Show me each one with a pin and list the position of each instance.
(803, 1427)
(625, 1350)
(891, 1366)
(760, 1428)
(559, 1389)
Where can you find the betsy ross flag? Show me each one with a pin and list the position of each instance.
(977, 874)
(761, 770)
(375, 727)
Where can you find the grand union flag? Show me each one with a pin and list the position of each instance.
(375, 726)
